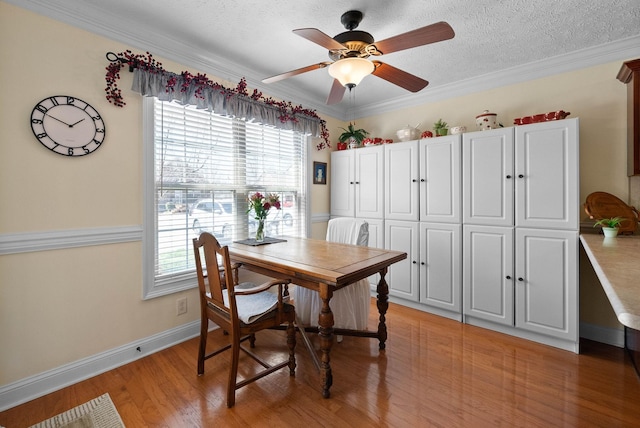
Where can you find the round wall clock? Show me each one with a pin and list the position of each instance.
(67, 125)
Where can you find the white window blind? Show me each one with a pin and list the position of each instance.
(205, 166)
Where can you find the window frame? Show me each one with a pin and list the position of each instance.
(156, 287)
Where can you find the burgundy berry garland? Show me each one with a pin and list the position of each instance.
(146, 62)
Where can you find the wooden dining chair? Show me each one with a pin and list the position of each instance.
(240, 310)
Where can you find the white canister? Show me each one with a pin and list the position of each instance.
(487, 120)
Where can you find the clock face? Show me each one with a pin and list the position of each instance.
(67, 125)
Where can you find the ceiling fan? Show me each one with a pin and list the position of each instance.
(349, 51)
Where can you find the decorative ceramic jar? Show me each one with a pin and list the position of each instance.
(409, 133)
(487, 120)
(454, 130)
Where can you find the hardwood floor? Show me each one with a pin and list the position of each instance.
(434, 372)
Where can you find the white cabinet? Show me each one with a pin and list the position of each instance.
(422, 180)
(520, 243)
(402, 277)
(422, 218)
(401, 184)
(488, 273)
(527, 176)
(487, 165)
(440, 179)
(530, 286)
(546, 282)
(440, 266)
(357, 178)
(431, 274)
(547, 180)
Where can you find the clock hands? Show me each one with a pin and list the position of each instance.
(55, 118)
(70, 126)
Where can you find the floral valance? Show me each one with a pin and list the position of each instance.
(150, 79)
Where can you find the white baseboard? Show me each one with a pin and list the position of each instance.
(44, 383)
(608, 335)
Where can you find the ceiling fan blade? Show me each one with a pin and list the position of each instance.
(398, 77)
(422, 36)
(318, 37)
(337, 92)
(295, 72)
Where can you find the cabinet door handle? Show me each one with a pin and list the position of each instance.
(414, 180)
(422, 180)
(520, 176)
(357, 182)
(351, 182)
(508, 176)
(414, 262)
(508, 276)
(520, 279)
(422, 263)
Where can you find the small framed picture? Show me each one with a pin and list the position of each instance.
(319, 173)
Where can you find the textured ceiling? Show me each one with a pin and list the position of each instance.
(254, 39)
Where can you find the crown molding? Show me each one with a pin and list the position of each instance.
(135, 34)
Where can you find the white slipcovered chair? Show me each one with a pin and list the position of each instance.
(350, 305)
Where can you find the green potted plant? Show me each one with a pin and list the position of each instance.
(352, 136)
(610, 226)
(440, 128)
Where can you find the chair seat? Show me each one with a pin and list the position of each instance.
(287, 308)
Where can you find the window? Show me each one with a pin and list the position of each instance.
(200, 169)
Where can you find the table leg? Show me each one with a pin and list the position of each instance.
(383, 305)
(325, 321)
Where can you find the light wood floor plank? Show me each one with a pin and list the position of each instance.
(434, 372)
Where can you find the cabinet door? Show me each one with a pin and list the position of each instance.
(342, 183)
(401, 181)
(402, 277)
(547, 180)
(487, 175)
(369, 182)
(546, 286)
(440, 188)
(440, 265)
(488, 273)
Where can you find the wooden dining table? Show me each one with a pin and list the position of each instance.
(324, 267)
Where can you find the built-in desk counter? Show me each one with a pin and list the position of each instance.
(616, 262)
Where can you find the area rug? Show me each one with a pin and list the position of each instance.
(97, 413)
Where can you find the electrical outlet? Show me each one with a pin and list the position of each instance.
(181, 306)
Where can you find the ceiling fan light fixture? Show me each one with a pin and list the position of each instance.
(351, 71)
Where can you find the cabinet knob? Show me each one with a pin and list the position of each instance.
(508, 176)
(508, 276)
(520, 176)
(357, 182)
(422, 263)
(422, 180)
(351, 182)
(414, 180)
(414, 262)
(520, 279)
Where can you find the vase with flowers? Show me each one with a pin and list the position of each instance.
(260, 205)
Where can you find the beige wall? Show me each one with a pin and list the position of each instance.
(71, 304)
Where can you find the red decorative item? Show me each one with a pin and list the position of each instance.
(342, 146)
(536, 118)
(426, 134)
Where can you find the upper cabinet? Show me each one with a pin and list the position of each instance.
(423, 180)
(547, 180)
(629, 74)
(402, 181)
(524, 176)
(357, 178)
(487, 176)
